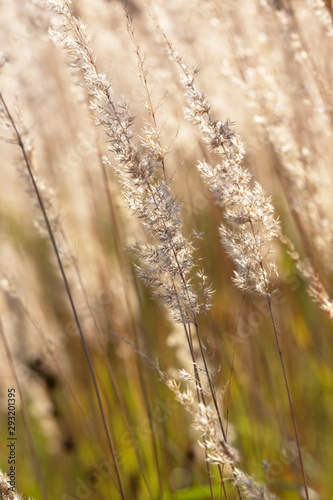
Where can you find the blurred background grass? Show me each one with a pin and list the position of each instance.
(246, 51)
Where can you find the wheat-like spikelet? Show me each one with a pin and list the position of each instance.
(217, 450)
(297, 149)
(6, 492)
(324, 10)
(315, 286)
(277, 54)
(249, 214)
(167, 263)
(250, 224)
(47, 194)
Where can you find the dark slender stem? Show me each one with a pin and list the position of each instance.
(268, 297)
(289, 397)
(123, 266)
(114, 384)
(200, 395)
(232, 364)
(215, 404)
(69, 294)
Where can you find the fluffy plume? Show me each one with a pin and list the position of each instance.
(166, 263)
(250, 225)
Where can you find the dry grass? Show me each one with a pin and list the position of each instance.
(222, 387)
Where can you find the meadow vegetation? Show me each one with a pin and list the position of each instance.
(166, 249)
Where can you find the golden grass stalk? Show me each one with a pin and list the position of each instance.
(250, 225)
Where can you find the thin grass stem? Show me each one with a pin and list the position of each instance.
(69, 294)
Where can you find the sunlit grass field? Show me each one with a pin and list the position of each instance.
(112, 198)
